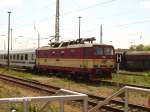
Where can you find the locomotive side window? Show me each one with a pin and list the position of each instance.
(62, 53)
(108, 51)
(87, 52)
(53, 53)
(72, 52)
(98, 51)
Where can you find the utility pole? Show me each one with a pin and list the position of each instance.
(11, 38)
(57, 22)
(8, 38)
(79, 26)
(101, 34)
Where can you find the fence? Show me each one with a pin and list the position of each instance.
(125, 90)
(72, 96)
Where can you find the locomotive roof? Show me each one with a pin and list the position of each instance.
(72, 46)
(138, 53)
(18, 51)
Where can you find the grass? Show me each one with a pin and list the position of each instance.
(9, 91)
(137, 78)
(87, 87)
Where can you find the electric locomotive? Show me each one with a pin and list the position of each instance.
(81, 58)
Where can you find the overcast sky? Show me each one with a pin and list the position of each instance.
(125, 22)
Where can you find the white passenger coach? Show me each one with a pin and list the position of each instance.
(22, 58)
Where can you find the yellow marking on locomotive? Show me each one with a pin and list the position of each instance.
(82, 63)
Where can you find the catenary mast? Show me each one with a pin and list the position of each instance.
(57, 22)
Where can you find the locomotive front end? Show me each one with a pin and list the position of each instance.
(103, 62)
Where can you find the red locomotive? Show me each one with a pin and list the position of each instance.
(80, 58)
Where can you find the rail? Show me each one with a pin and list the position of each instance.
(72, 96)
(125, 90)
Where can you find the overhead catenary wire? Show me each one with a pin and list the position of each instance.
(122, 25)
(67, 13)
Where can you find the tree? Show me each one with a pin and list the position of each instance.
(147, 47)
(132, 47)
(140, 47)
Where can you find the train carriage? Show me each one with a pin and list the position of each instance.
(19, 58)
(136, 60)
(81, 59)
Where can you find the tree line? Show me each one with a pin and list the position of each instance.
(140, 47)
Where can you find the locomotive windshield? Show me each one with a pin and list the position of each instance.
(108, 51)
(103, 51)
(98, 51)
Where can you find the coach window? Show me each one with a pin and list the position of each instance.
(32, 56)
(5, 57)
(17, 56)
(26, 56)
(10, 57)
(21, 56)
(14, 57)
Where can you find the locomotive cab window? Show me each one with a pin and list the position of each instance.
(98, 51)
(108, 51)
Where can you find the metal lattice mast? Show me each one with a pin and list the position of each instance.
(57, 22)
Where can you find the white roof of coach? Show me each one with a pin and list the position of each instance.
(19, 51)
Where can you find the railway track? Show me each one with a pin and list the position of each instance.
(113, 106)
(117, 84)
(107, 83)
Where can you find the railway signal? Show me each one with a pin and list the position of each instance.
(118, 59)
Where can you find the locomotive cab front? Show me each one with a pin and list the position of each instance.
(103, 62)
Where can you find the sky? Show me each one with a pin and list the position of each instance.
(125, 22)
